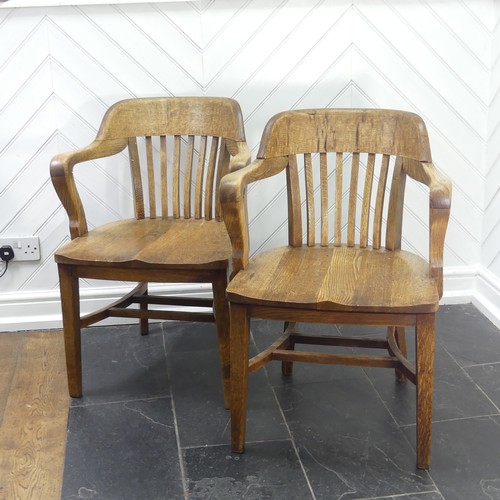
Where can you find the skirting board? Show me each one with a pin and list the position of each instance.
(41, 310)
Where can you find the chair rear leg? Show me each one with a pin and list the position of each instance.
(70, 303)
(400, 337)
(144, 325)
(240, 334)
(424, 341)
(221, 312)
(287, 366)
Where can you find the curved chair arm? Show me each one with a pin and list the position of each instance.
(240, 156)
(61, 172)
(234, 205)
(439, 212)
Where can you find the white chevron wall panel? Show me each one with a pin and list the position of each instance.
(61, 67)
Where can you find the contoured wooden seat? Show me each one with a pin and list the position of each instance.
(177, 236)
(337, 268)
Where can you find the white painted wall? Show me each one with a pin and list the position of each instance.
(61, 67)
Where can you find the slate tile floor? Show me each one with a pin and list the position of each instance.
(152, 424)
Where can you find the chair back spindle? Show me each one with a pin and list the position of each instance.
(339, 183)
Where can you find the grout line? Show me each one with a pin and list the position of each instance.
(121, 401)
(226, 444)
(457, 419)
(292, 441)
(471, 379)
(294, 445)
(402, 495)
(479, 364)
(400, 427)
(182, 468)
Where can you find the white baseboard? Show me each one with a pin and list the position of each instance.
(486, 296)
(41, 310)
(459, 284)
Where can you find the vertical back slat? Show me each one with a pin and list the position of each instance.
(323, 171)
(163, 176)
(209, 183)
(311, 230)
(198, 198)
(395, 213)
(222, 169)
(353, 194)
(379, 203)
(187, 177)
(135, 170)
(151, 177)
(294, 203)
(339, 166)
(367, 195)
(176, 208)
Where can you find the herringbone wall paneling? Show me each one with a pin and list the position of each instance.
(61, 67)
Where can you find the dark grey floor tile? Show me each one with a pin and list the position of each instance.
(265, 471)
(465, 461)
(348, 442)
(119, 364)
(455, 395)
(188, 336)
(201, 416)
(488, 378)
(468, 335)
(122, 450)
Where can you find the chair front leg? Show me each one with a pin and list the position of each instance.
(221, 312)
(424, 342)
(239, 340)
(70, 304)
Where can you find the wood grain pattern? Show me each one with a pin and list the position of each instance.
(338, 199)
(379, 203)
(367, 195)
(311, 218)
(33, 431)
(334, 278)
(353, 197)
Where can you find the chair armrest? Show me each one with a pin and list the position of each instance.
(233, 192)
(241, 157)
(61, 172)
(440, 189)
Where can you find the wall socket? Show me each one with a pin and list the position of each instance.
(25, 247)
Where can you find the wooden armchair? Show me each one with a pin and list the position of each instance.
(340, 271)
(188, 144)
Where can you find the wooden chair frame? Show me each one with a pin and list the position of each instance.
(129, 253)
(307, 132)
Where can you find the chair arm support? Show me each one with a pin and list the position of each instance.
(440, 189)
(233, 192)
(61, 172)
(241, 157)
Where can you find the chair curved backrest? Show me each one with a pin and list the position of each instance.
(341, 160)
(179, 149)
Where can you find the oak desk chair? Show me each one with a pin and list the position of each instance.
(177, 235)
(341, 273)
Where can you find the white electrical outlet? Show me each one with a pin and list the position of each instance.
(25, 247)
